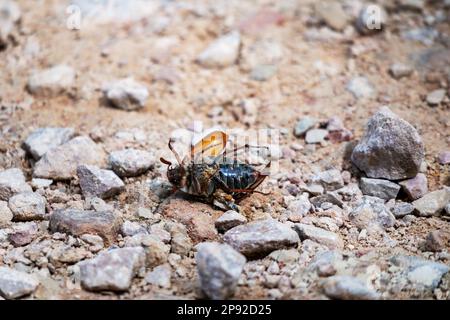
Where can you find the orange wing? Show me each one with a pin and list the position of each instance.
(211, 144)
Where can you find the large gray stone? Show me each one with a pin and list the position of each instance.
(348, 288)
(319, 235)
(219, 267)
(390, 149)
(130, 162)
(99, 182)
(15, 284)
(259, 238)
(379, 188)
(44, 139)
(112, 270)
(229, 220)
(27, 206)
(432, 203)
(12, 181)
(61, 163)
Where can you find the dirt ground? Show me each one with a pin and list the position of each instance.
(160, 50)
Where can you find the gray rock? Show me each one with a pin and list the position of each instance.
(10, 16)
(223, 52)
(12, 181)
(77, 223)
(160, 276)
(23, 233)
(99, 182)
(219, 267)
(435, 97)
(319, 235)
(15, 284)
(303, 126)
(390, 149)
(370, 213)
(424, 35)
(126, 94)
(38, 183)
(324, 259)
(180, 243)
(400, 70)
(371, 19)
(61, 163)
(332, 13)
(444, 157)
(360, 87)
(432, 203)
(131, 162)
(130, 228)
(415, 187)
(401, 209)
(112, 270)
(330, 197)
(6, 215)
(27, 206)
(348, 288)
(259, 238)
(44, 139)
(263, 72)
(229, 220)
(51, 82)
(437, 240)
(299, 207)
(330, 179)
(379, 188)
(316, 135)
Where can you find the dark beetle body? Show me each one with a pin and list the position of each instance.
(237, 176)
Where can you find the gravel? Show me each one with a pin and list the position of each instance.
(319, 235)
(360, 87)
(432, 203)
(416, 187)
(379, 188)
(348, 288)
(223, 52)
(51, 82)
(12, 181)
(131, 162)
(27, 206)
(435, 97)
(96, 182)
(229, 220)
(44, 139)
(126, 94)
(16, 284)
(6, 215)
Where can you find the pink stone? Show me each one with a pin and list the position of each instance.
(416, 187)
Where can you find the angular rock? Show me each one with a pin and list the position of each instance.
(348, 288)
(435, 97)
(180, 242)
(432, 203)
(126, 94)
(156, 251)
(38, 183)
(316, 135)
(23, 234)
(77, 223)
(330, 197)
(360, 87)
(12, 181)
(51, 82)
(99, 182)
(222, 52)
(27, 206)
(370, 213)
(61, 163)
(130, 228)
(15, 284)
(303, 126)
(330, 179)
(131, 162)
(160, 276)
(416, 187)
(390, 149)
(299, 207)
(319, 235)
(6, 215)
(402, 209)
(219, 267)
(259, 238)
(437, 240)
(379, 188)
(112, 270)
(44, 139)
(229, 220)
(400, 70)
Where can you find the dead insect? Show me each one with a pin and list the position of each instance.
(209, 175)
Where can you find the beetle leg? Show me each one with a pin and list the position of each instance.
(224, 201)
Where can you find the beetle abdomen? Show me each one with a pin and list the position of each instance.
(237, 176)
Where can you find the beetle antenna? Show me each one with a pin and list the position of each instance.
(165, 161)
(174, 152)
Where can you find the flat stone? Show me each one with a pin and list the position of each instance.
(44, 139)
(160, 276)
(432, 203)
(348, 288)
(223, 52)
(228, 220)
(51, 82)
(400, 70)
(112, 270)
(61, 163)
(435, 97)
(390, 149)
(330, 197)
(77, 223)
(99, 182)
(303, 126)
(299, 207)
(379, 188)
(330, 179)
(316, 135)
(23, 233)
(16, 284)
(27, 206)
(360, 87)
(401, 209)
(219, 267)
(371, 213)
(6, 215)
(319, 235)
(259, 238)
(12, 181)
(415, 187)
(131, 162)
(444, 157)
(126, 94)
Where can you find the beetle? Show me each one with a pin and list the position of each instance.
(210, 175)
